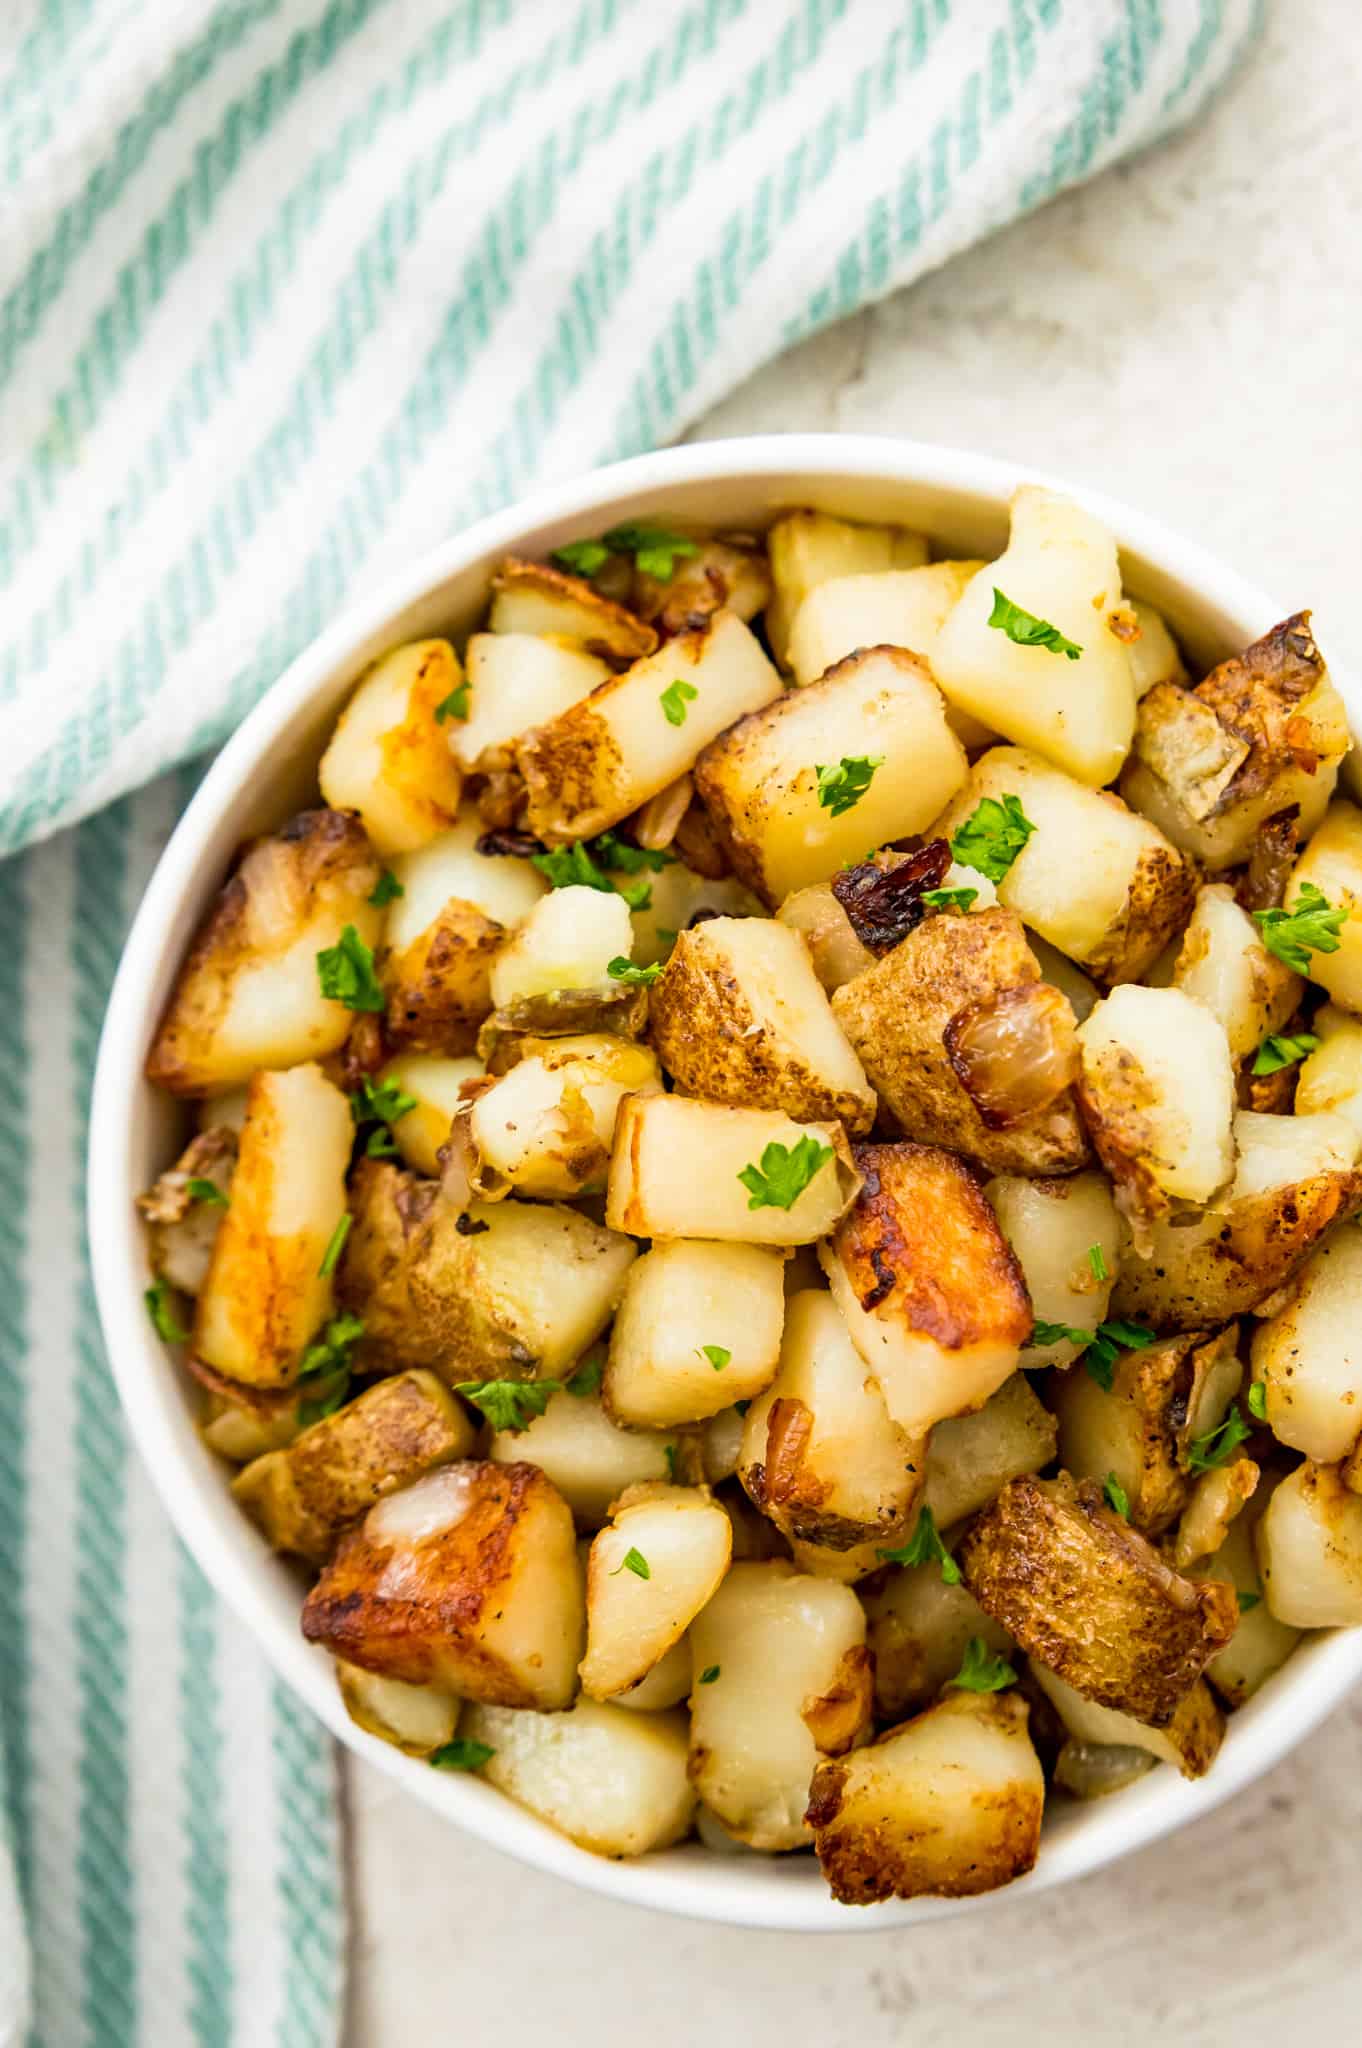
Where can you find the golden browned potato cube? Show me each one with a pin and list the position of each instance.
(516, 681)
(1190, 1742)
(931, 1292)
(970, 1458)
(612, 1782)
(677, 1164)
(532, 597)
(809, 548)
(676, 894)
(1158, 1096)
(266, 1294)
(1309, 1545)
(1224, 965)
(966, 1045)
(919, 1629)
(638, 732)
(681, 1297)
(545, 1127)
(1308, 1354)
(1085, 1594)
(249, 994)
(1332, 862)
(947, 1805)
(389, 757)
(650, 1573)
(301, 1498)
(886, 608)
(589, 1458)
(1066, 1234)
(1331, 1077)
(760, 781)
(435, 1085)
(469, 1580)
(415, 1718)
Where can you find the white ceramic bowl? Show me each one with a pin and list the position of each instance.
(267, 770)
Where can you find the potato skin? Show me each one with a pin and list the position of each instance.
(439, 988)
(1087, 1596)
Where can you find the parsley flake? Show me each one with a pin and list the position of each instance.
(335, 1246)
(1098, 1348)
(634, 1561)
(716, 1354)
(1277, 1052)
(164, 1320)
(1218, 1445)
(924, 1546)
(1026, 630)
(669, 1452)
(587, 1378)
(509, 1404)
(581, 557)
(455, 705)
(1311, 925)
(1247, 1601)
(346, 973)
(1098, 1262)
(206, 1191)
(784, 1173)
(625, 971)
(674, 700)
(1257, 1400)
(462, 1754)
(656, 551)
(386, 889)
(992, 836)
(1116, 1496)
(948, 899)
(709, 1674)
(841, 788)
(613, 852)
(980, 1672)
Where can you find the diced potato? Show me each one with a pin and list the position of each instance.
(240, 1433)
(469, 1580)
(1332, 861)
(1060, 565)
(738, 1016)
(676, 1164)
(1223, 964)
(1295, 1176)
(1086, 1596)
(567, 941)
(931, 1292)
(1310, 1550)
(436, 1085)
(389, 757)
(794, 1681)
(1217, 1497)
(533, 598)
(589, 1458)
(1261, 1644)
(1154, 657)
(1157, 1090)
(506, 1290)
(266, 1295)
(759, 781)
(545, 1128)
(1102, 884)
(414, 1718)
(456, 911)
(890, 608)
(1061, 973)
(819, 1454)
(182, 1223)
(596, 762)
(666, 1685)
(947, 1805)
(683, 1542)
(807, 549)
(971, 1458)
(1189, 1742)
(681, 1296)
(303, 1497)
(612, 1782)
(676, 894)
(1331, 1077)
(966, 1046)
(1308, 1354)
(919, 1630)
(1065, 1233)
(248, 994)
(519, 680)
(836, 952)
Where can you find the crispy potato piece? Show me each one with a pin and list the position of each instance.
(248, 994)
(389, 757)
(545, 1127)
(1217, 1497)
(532, 597)
(1086, 1595)
(834, 949)
(516, 681)
(1331, 1077)
(1190, 1742)
(759, 780)
(182, 1226)
(266, 1295)
(886, 608)
(794, 1681)
(939, 1025)
(681, 1296)
(807, 549)
(1098, 882)
(931, 1292)
(1264, 731)
(1223, 964)
(436, 1085)
(634, 1617)
(739, 1017)
(675, 1168)
(303, 1497)
(1309, 1544)
(971, 1458)
(567, 942)
(1295, 1176)
(919, 1629)
(1332, 860)
(1060, 564)
(947, 1805)
(819, 1453)
(601, 759)
(1308, 1354)
(1261, 1644)
(1154, 656)
(469, 1579)
(612, 1782)
(1065, 1233)
(589, 1458)
(511, 1290)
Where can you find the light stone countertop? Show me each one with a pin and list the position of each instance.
(1184, 334)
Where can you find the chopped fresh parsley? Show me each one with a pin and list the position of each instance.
(462, 1754)
(1277, 1051)
(635, 1562)
(571, 867)
(346, 973)
(1311, 925)
(1257, 1400)
(380, 1102)
(1098, 1347)
(581, 557)
(455, 705)
(582, 866)
(380, 1143)
(1026, 629)
(386, 889)
(624, 970)
(1248, 1600)
(509, 1404)
(206, 1191)
(318, 1408)
(924, 1546)
(709, 1674)
(656, 551)
(841, 788)
(669, 1451)
(1116, 1496)
(335, 1246)
(716, 1354)
(948, 899)
(1097, 1261)
(980, 1672)
(331, 1351)
(1218, 1445)
(587, 1378)
(613, 852)
(674, 700)
(784, 1173)
(992, 836)
(165, 1322)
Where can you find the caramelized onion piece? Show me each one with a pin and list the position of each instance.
(560, 1013)
(1092, 1769)
(697, 844)
(1014, 1053)
(884, 902)
(656, 824)
(510, 839)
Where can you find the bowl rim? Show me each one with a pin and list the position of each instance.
(773, 1893)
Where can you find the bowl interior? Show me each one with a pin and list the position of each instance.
(268, 769)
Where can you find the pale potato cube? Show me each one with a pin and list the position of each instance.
(1224, 965)
(1332, 860)
(807, 549)
(567, 941)
(971, 1458)
(1331, 1077)
(680, 1297)
(612, 1782)
(834, 949)
(589, 1458)
(414, 1718)
(676, 1167)
(1217, 1497)
(1158, 1093)
(919, 1629)
(389, 757)
(891, 608)
(1067, 1236)
(1154, 657)
(505, 888)
(1261, 1644)
(668, 1684)
(519, 680)
(436, 1086)
(1310, 1550)
(266, 1295)
(1190, 1742)
(662, 1557)
(1060, 564)
(534, 598)
(1308, 1355)
(947, 1805)
(545, 1128)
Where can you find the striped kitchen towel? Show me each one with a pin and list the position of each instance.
(289, 290)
